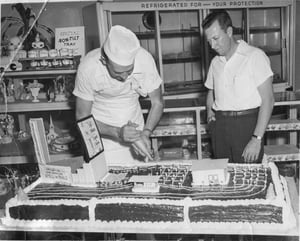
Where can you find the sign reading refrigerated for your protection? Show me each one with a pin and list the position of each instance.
(197, 4)
(178, 5)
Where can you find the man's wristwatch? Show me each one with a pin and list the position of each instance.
(257, 137)
(148, 130)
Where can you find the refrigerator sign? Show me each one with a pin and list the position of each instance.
(203, 4)
(191, 4)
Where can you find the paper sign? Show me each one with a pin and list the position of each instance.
(71, 38)
(58, 174)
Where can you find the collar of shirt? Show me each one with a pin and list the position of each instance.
(242, 49)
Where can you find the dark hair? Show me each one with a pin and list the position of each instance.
(221, 16)
(103, 54)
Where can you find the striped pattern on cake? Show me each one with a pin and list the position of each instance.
(245, 183)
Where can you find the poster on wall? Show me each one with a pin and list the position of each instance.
(71, 39)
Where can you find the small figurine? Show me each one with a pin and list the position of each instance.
(52, 135)
(10, 91)
(13, 45)
(59, 84)
(7, 127)
(50, 94)
(26, 94)
(37, 44)
(18, 87)
(35, 89)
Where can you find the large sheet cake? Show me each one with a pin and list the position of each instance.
(255, 200)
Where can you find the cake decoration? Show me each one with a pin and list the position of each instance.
(210, 172)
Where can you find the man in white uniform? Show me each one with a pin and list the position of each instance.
(108, 85)
(240, 93)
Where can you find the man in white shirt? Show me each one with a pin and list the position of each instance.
(240, 94)
(108, 85)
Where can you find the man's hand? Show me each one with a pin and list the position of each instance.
(251, 151)
(129, 133)
(140, 148)
(211, 117)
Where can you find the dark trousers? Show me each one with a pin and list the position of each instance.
(231, 134)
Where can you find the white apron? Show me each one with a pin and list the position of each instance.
(116, 105)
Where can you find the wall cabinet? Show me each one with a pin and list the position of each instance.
(172, 32)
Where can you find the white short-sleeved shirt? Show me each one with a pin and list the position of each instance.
(112, 98)
(114, 102)
(235, 81)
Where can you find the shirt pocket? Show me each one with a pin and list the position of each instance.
(137, 84)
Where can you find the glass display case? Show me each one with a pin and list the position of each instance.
(171, 32)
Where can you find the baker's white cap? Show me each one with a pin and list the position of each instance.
(121, 45)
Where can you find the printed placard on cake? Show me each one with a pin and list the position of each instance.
(58, 174)
(71, 38)
(91, 137)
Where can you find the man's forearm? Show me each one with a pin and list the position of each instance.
(156, 110)
(264, 115)
(111, 132)
(265, 111)
(154, 116)
(209, 103)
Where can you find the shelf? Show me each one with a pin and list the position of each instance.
(173, 105)
(182, 57)
(182, 87)
(43, 105)
(6, 160)
(39, 72)
(283, 125)
(49, 58)
(256, 30)
(177, 130)
(282, 153)
(287, 98)
(169, 33)
(263, 29)
(169, 154)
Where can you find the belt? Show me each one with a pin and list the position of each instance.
(237, 113)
